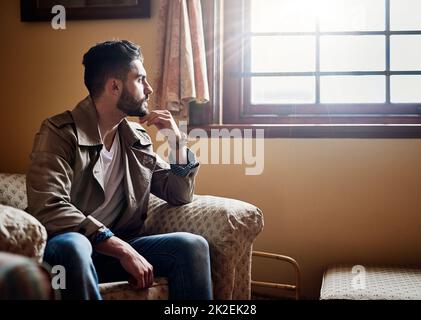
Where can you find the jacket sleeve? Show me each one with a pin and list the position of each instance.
(171, 187)
(49, 180)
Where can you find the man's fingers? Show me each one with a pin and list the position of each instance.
(147, 279)
(158, 120)
(151, 277)
(133, 281)
(143, 119)
(150, 117)
(138, 282)
(161, 112)
(141, 281)
(155, 113)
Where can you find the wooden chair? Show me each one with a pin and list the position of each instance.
(289, 287)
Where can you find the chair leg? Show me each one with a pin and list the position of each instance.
(295, 287)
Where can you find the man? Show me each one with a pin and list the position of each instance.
(89, 180)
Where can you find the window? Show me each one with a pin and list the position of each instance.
(319, 62)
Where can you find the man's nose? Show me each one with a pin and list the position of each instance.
(148, 89)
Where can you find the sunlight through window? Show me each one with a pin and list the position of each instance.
(345, 46)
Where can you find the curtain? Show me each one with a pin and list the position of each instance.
(181, 75)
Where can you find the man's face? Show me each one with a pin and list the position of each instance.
(135, 93)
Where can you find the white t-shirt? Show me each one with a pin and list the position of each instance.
(112, 171)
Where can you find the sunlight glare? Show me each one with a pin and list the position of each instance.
(333, 15)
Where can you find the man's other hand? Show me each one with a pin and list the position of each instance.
(140, 270)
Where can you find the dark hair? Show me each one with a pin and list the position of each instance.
(108, 59)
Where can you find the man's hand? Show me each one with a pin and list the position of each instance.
(140, 270)
(164, 121)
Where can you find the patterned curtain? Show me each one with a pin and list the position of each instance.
(181, 75)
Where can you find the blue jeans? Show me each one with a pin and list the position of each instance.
(181, 257)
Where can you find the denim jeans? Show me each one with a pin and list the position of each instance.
(181, 257)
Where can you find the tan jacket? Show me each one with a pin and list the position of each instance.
(64, 176)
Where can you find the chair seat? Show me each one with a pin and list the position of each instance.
(373, 283)
(124, 291)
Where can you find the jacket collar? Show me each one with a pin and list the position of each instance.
(131, 134)
(86, 121)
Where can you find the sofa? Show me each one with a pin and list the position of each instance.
(230, 227)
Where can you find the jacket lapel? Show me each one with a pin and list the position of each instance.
(139, 162)
(86, 121)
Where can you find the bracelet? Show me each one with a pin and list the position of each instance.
(102, 235)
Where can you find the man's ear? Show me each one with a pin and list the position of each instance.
(114, 86)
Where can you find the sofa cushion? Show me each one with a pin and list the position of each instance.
(13, 190)
(21, 233)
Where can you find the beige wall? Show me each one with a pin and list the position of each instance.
(324, 201)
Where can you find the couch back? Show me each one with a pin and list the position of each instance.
(13, 190)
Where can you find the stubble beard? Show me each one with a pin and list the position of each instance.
(132, 106)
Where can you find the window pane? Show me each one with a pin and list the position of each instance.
(405, 15)
(283, 54)
(405, 52)
(282, 16)
(352, 53)
(405, 89)
(282, 90)
(351, 15)
(352, 89)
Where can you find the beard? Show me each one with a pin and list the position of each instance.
(131, 106)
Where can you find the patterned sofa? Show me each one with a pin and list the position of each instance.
(230, 226)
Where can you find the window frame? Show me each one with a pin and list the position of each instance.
(229, 88)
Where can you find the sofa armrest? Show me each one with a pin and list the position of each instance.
(230, 226)
(21, 233)
(223, 222)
